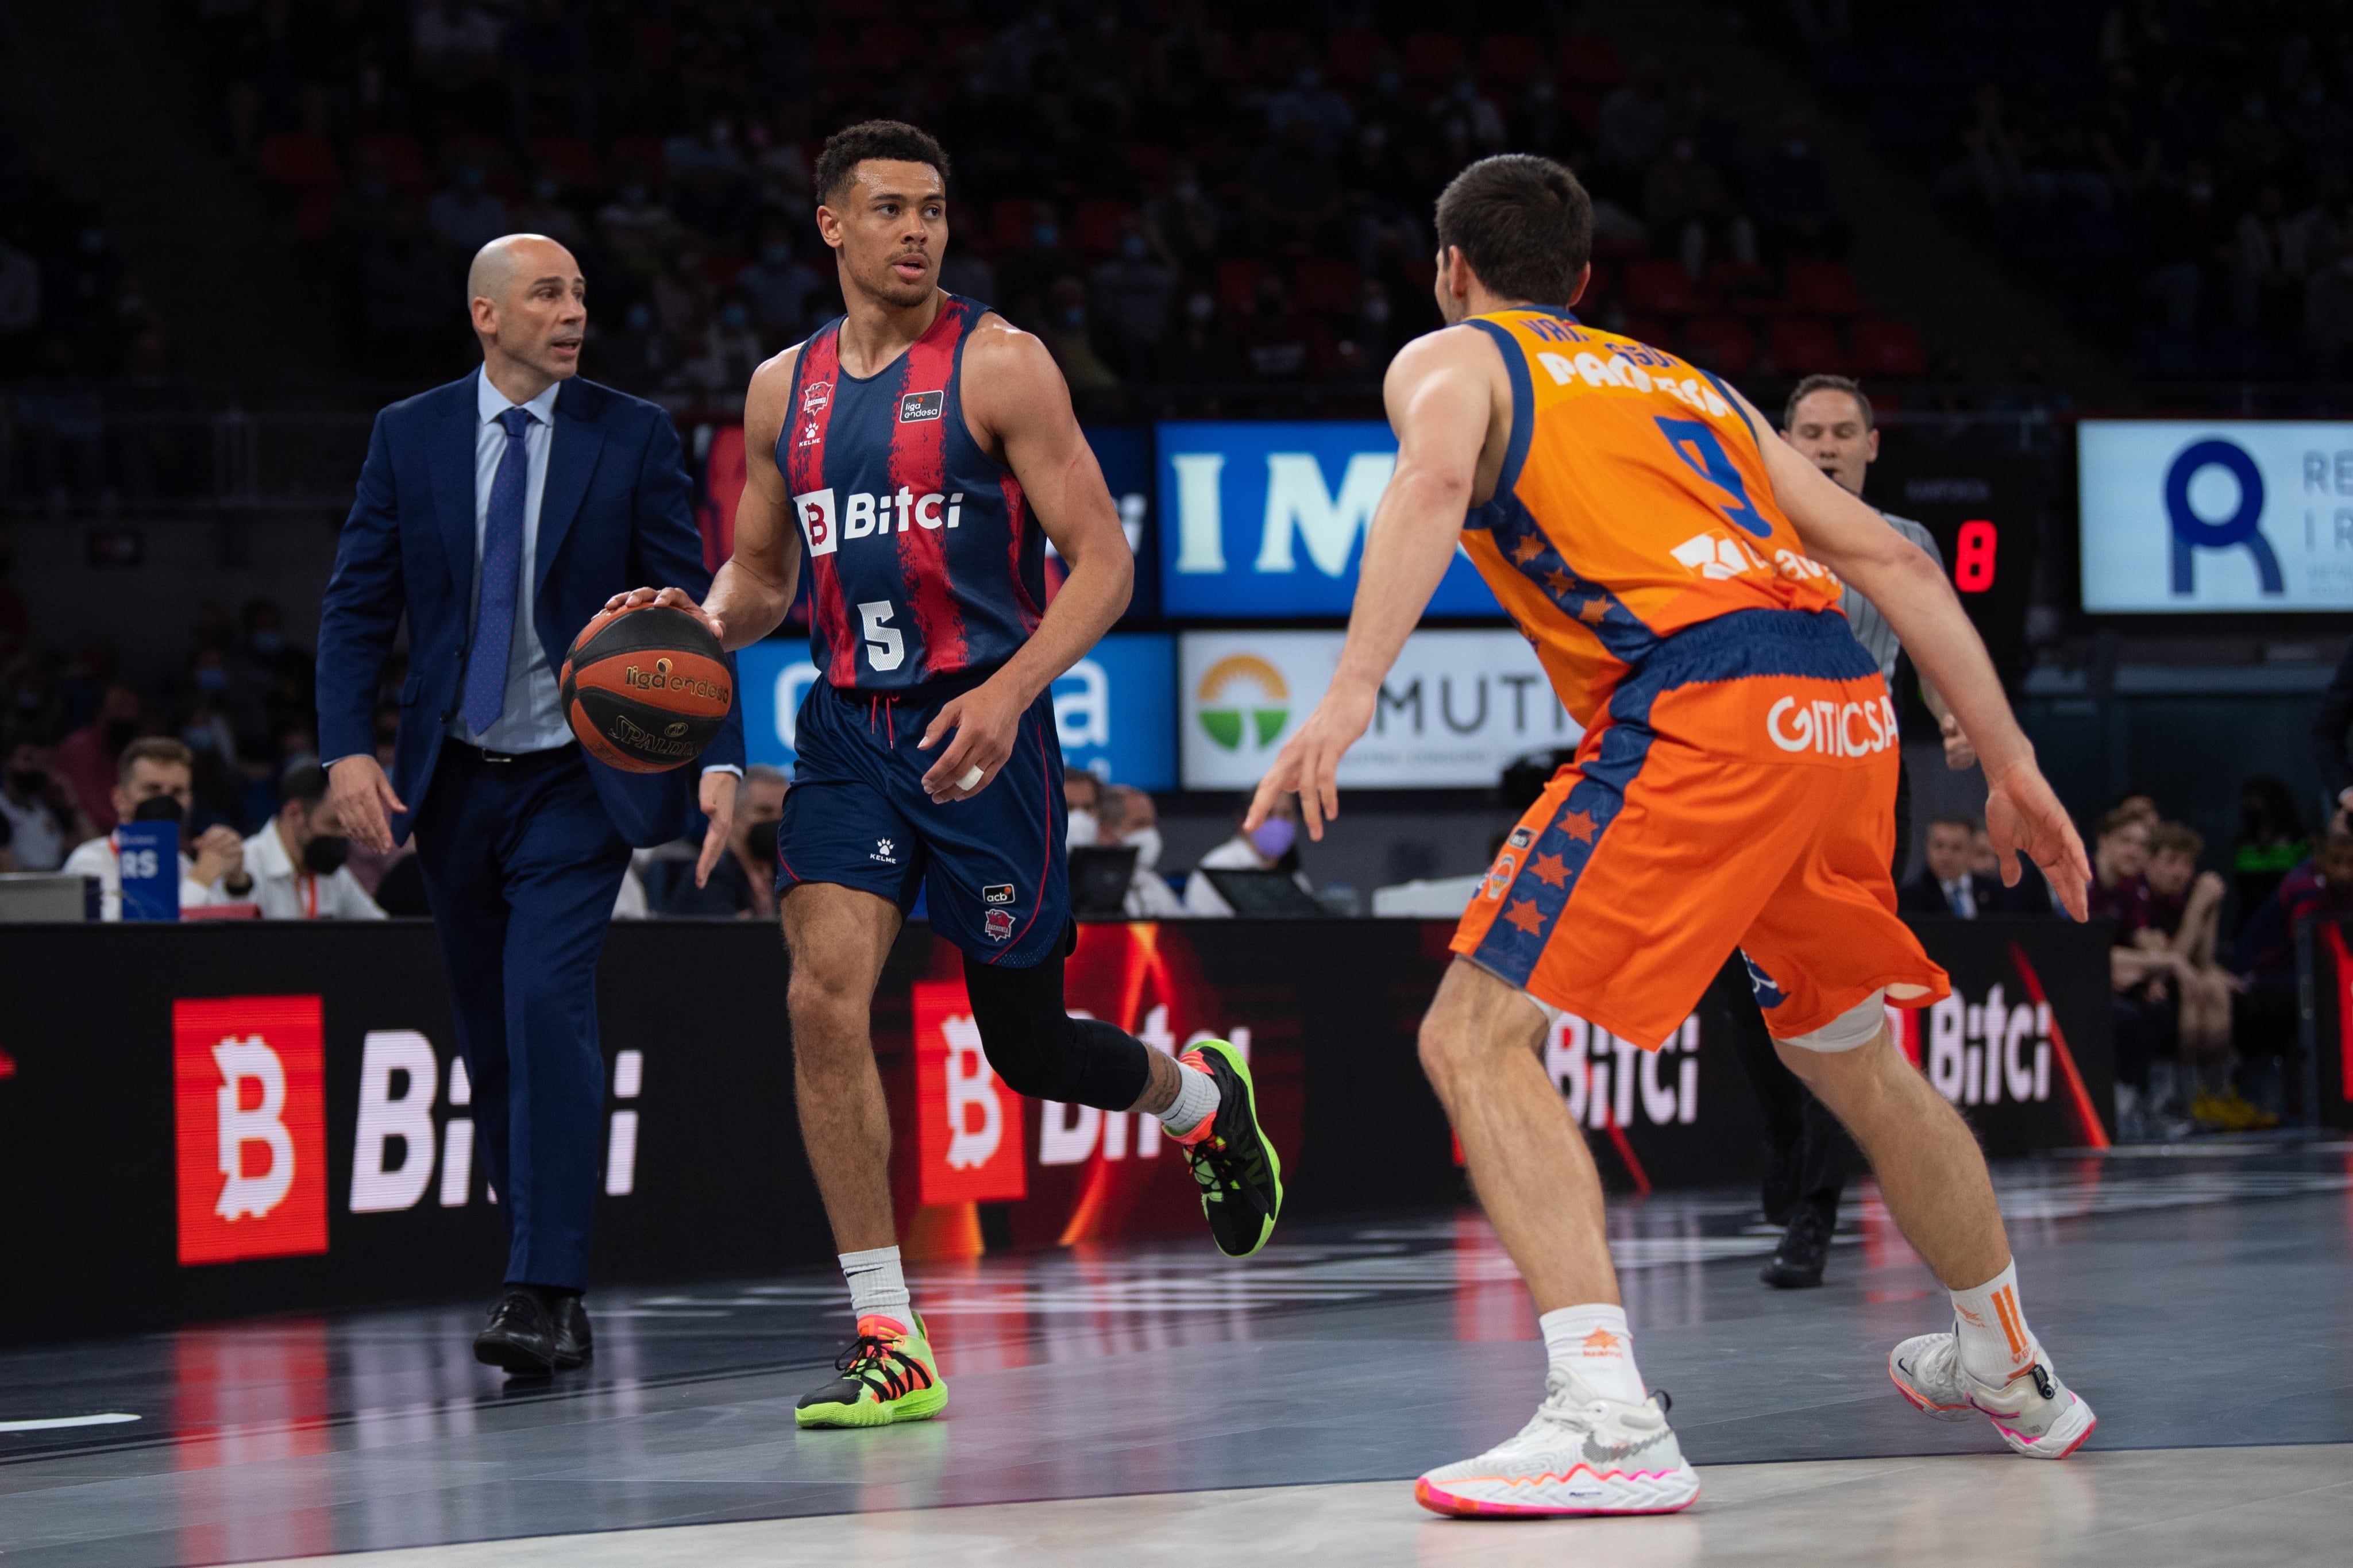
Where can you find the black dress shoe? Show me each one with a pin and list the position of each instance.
(521, 1337)
(573, 1343)
(1797, 1263)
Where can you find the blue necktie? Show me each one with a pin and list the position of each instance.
(486, 670)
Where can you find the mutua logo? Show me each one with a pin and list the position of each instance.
(249, 1112)
(1243, 699)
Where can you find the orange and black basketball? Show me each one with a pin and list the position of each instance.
(646, 689)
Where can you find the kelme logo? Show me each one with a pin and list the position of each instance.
(1243, 695)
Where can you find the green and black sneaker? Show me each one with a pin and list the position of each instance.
(888, 1375)
(1231, 1156)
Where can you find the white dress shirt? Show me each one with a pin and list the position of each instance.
(285, 891)
(98, 857)
(533, 719)
(1960, 898)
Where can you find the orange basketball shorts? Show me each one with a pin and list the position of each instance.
(1738, 792)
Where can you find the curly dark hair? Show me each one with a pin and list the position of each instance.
(892, 140)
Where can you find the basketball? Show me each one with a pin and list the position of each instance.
(645, 687)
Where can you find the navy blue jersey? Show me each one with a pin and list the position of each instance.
(923, 559)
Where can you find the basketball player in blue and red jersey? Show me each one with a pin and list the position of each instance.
(921, 452)
(1672, 560)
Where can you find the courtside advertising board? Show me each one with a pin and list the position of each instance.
(1458, 707)
(2228, 515)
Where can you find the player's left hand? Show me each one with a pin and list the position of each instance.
(1959, 755)
(718, 800)
(985, 721)
(2022, 816)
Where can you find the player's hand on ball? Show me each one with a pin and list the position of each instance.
(985, 721)
(672, 598)
(2023, 817)
(1309, 764)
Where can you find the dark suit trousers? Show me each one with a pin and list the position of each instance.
(521, 864)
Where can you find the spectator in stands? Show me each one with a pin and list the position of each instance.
(1946, 885)
(1199, 352)
(1069, 340)
(466, 215)
(1690, 211)
(297, 860)
(1129, 295)
(2139, 802)
(1128, 816)
(154, 784)
(1789, 193)
(544, 211)
(743, 882)
(1082, 797)
(88, 759)
(1182, 223)
(731, 351)
(2144, 983)
(41, 816)
(2329, 310)
(276, 676)
(2186, 910)
(1273, 847)
(2270, 842)
(779, 289)
(2031, 896)
(1308, 100)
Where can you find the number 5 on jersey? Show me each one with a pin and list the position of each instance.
(885, 648)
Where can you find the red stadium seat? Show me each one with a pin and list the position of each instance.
(640, 157)
(1588, 60)
(1325, 285)
(1889, 349)
(1094, 229)
(1803, 345)
(298, 160)
(1148, 159)
(1008, 225)
(1237, 282)
(887, 46)
(403, 159)
(568, 161)
(1647, 330)
(1431, 56)
(1507, 57)
(1351, 56)
(1661, 288)
(1825, 289)
(721, 267)
(1721, 343)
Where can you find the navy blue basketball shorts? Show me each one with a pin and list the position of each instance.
(993, 866)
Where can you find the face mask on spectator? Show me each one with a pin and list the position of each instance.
(160, 808)
(760, 838)
(1132, 247)
(1146, 841)
(200, 738)
(212, 678)
(734, 317)
(777, 255)
(1083, 829)
(1044, 235)
(1274, 836)
(267, 644)
(324, 856)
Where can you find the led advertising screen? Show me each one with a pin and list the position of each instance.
(2231, 515)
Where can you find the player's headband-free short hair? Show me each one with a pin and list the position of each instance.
(2176, 837)
(2119, 819)
(165, 750)
(1523, 224)
(890, 141)
(1965, 823)
(1814, 383)
(304, 781)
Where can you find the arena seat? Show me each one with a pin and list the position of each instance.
(1825, 289)
(1507, 57)
(1721, 343)
(1430, 56)
(1660, 289)
(1095, 226)
(1237, 280)
(569, 162)
(298, 161)
(1889, 349)
(403, 159)
(1589, 60)
(1327, 286)
(1351, 56)
(1804, 346)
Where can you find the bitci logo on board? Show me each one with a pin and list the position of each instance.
(250, 1102)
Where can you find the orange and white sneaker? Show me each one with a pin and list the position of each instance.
(2037, 1414)
(1581, 1454)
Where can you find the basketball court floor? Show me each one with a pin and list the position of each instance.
(1149, 1403)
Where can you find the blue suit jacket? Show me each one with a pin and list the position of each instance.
(617, 514)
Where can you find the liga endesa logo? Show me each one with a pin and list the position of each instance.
(250, 1104)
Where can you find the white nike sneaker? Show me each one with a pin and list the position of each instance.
(2037, 1414)
(1580, 1454)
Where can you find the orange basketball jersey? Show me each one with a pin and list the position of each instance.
(1632, 502)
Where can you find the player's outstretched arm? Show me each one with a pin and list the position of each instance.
(1019, 408)
(2022, 814)
(1440, 396)
(753, 589)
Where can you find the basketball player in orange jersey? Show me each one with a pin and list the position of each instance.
(1672, 560)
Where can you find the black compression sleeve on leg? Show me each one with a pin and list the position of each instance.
(1039, 1050)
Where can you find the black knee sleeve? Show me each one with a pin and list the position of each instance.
(1041, 1051)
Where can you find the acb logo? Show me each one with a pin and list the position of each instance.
(250, 1104)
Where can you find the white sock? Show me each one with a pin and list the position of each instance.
(1995, 1343)
(1195, 1101)
(877, 1286)
(1592, 1341)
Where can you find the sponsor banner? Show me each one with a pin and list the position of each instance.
(148, 854)
(249, 1105)
(2228, 515)
(281, 1123)
(1114, 709)
(1458, 706)
(1268, 519)
(1123, 452)
(2324, 957)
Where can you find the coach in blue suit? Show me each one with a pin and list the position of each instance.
(498, 515)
